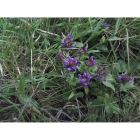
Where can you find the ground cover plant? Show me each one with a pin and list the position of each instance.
(69, 69)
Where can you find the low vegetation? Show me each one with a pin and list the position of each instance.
(69, 69)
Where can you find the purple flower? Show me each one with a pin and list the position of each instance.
(67, 41)
(84, 78)
(106, 24)
(83, 49)
(71, 63)
(90, 62)
(131, 79)
(101, 72)
(119, 77)
(125, 77)
(61, 54)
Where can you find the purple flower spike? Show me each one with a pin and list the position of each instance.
(82, 50)
(101, 73)
(125, 77)
(90, 62)
(71, 63)
(106, 24)
(61, 54)
(67, 41)
(84, 78)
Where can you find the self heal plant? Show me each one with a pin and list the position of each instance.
(101, 73)
(84, 78)
(90, 62)
(85, 67)
(71, 63)
(125, 78)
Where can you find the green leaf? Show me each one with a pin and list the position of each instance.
(109, 110)
(138, 68)
(118, 23)
(99, 24)
(121, 66)
(108, 84)
(72, 82)
(66, 93)
(96, 91)
(109, 78)
(25, 99)
(116, 109)
(36, 110)
(47, 43)
(79, 94)
(133, 65)
(102, 47)
(78, 44)
(84, 33)
(93, 118)
(127, 49)
(96, 102)
(127, 86)
(71, 76)
(93, 51)
(86, 89)
(107, 99)
(22, 83)
(115, 38)
(101, 119)
(71, 95)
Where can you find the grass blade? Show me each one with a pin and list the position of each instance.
(127, 49)
(118, 22)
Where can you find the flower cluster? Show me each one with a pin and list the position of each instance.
(125, 77)
(67, 41)
(90, 62)
(83, 49)
(101, 72)
(84, 78)
(71, 63)
(106, 24)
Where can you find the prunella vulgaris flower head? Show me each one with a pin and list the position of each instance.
(84, 78)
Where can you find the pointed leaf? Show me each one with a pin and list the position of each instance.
(109, 85)
(71, 95)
